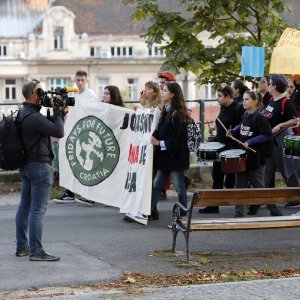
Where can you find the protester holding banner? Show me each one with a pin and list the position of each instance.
(112, 95)
(171, 150)
(164, 77)
(151, 95)
(150, 98)
(230, 115)
(84, 95)
(280, 110)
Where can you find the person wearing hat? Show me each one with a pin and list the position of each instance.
(164, 77)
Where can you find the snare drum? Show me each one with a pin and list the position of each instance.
(210, 150)
(292, 146)
(233, 161)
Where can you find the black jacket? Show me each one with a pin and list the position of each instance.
(36, 130)
(174, 133)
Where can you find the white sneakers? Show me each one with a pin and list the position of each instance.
(296, 214)
(137, 217)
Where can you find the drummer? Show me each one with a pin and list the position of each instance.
(230, 115)
(254, 131)
(280, 113)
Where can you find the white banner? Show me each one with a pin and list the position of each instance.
(106, 155)
(138, 186)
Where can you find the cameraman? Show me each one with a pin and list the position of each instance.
(84, 95)
(37, 173)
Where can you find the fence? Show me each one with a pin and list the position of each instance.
(6, 108)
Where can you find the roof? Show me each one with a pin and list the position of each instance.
(95, 17)
(17, 19)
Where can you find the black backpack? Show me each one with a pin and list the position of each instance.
(12, 151)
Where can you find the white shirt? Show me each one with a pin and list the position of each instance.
(88, 96)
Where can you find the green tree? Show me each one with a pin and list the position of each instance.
(232, 24)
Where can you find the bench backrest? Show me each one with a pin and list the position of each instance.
(228, 197)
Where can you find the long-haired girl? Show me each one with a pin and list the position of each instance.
(170, 140)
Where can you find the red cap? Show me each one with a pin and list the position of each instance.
(166, 74)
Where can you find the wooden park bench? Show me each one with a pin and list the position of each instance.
(231, 197)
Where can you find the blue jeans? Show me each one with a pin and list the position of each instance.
(178, 182)
(37, 180)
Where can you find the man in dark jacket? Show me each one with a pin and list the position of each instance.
(37, 173)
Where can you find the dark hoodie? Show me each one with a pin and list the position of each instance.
(36, 130)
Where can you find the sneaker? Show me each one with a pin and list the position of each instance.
(296, 214)
(65, 198)
(85, 201)
(138, 217)
(238, 215)
(253, 210)
(209, 210)
(44, 256)
(22, 252)
(170, 226)
(293, 204)
(275, 212)
(154, 215)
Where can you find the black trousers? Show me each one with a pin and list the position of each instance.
(218, 177)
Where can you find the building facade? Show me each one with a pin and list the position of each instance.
(50, 40)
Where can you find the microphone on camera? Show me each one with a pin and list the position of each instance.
(71, 89)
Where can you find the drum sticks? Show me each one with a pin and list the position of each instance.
(232, 137)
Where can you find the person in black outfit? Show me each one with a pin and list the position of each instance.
(230, 115)
(37, 173)
(238, 89)
(280, 113)
(171, 153)
(264, 84)
(264, 90)
(254, 131)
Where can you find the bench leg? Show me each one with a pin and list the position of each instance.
(175, 232)
(187, 239)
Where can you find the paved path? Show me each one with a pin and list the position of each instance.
(277, 289)
(95, 244)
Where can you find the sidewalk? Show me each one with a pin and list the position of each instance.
(96, 245)
(277, 289)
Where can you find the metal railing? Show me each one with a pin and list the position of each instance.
(201, 103)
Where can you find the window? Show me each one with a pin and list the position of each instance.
(3, 51)
(59, 38)
(102, 83)
(155, 51)
(95, 51)
(209, 92)
(57, 82)
(10, 89)
(132, 89)
(121, 51)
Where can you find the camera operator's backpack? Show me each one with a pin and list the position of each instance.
(12, 151)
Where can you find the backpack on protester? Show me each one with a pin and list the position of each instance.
(12, 150)
(193, 136)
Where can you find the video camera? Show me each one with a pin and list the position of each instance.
(60, 97)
